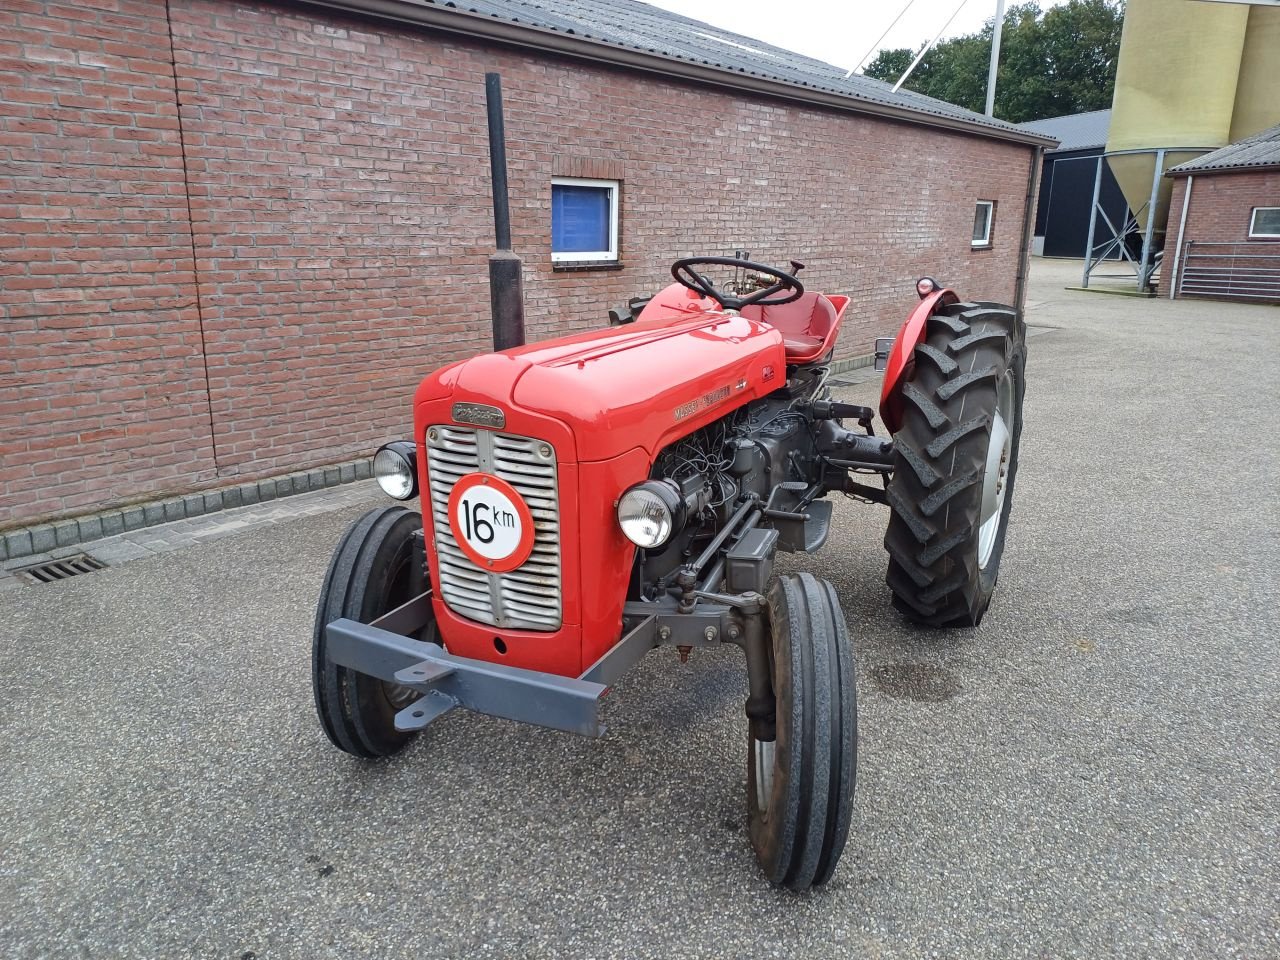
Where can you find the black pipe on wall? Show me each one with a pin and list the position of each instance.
(506, 273)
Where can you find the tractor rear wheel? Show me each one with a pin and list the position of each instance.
(800, 785)
(955, 461)
(372, 572)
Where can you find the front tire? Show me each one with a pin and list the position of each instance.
(800, 785)
(372, 572)
(955, 462)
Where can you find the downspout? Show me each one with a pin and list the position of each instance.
(1028, 223)
(1182, 229)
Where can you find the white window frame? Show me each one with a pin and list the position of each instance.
(1253, 220)
(991, 218)
(615, 214)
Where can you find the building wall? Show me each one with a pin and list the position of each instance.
(102, 387)
(336, 172)
(1221, 205)
(1220, 208)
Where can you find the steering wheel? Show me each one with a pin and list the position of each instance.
(684, 272)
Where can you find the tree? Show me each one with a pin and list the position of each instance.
(1052, 62)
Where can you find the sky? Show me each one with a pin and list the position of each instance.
(837, 31)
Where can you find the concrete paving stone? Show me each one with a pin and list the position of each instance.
(11, 583)
(4, 550)
(231, 498)
(249, 493)
(193, 505)
(317, 479)
(67, 532)
(43, 538)
(18, 543)
(213, 501)
(117, 550)
(267, 489)
(72, 550)
(364, 469)
(112, 523)
(147, 537)
(174, 509)
(30, 560)
(90, 528)
(153, 513)
(347, 472)
(134, 517)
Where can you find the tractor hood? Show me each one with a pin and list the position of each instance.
(641, 385)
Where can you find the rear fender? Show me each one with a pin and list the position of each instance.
(902, 356)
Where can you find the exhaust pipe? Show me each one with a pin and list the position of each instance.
(506, 275)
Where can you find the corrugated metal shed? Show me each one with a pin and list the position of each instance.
(1260, 150)
(1076, 131)
(635, 27)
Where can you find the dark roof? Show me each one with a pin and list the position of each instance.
(638, 34)
(1076, 131)
(1260, 150)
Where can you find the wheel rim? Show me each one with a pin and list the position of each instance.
(764, 751)
(995, 480)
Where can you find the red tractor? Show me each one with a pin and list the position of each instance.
(589, 498)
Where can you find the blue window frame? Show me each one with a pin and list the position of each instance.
(584, 219)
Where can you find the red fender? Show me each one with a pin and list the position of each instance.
(902, 356)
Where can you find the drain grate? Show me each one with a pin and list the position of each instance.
(62, 569)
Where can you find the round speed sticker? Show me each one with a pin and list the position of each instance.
(491, 522)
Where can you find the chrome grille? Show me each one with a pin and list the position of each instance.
(527, 598)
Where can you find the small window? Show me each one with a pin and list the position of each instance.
(1265, 223)
(982, 218)
(584, 219)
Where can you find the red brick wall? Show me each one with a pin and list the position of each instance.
(340, 210)
(1220, 209)
(1221, 204)
(102, 388)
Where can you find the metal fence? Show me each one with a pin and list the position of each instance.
(1230, 271)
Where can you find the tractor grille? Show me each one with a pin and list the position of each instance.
(527, 598)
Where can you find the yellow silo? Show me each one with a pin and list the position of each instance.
(1193, 75)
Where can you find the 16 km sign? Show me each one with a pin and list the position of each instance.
(491, 522)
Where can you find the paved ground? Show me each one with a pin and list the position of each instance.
(1092, 773)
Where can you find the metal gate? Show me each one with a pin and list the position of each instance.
(1230, 271)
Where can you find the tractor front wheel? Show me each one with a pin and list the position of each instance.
(372, 572)
(800, 785)
(956, 458)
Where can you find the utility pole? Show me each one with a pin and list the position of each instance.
(995, 59)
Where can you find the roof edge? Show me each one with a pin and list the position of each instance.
(1178, 171)
(472, 25)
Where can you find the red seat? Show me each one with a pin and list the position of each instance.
(809, 325)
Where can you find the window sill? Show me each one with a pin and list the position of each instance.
(582, 266)
(981, 246)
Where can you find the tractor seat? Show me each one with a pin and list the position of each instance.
(808, 326)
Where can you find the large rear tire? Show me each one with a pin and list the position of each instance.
(800, 785)
(956, 458)
(372, 572)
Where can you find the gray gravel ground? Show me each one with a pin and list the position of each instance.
(1092, 773)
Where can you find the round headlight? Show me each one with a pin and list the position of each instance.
(393, 466)
(650, 513)
(926, 286)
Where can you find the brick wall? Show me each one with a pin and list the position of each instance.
(1221, 205)
(102, 386)
(340, 215)
(1220, 210)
